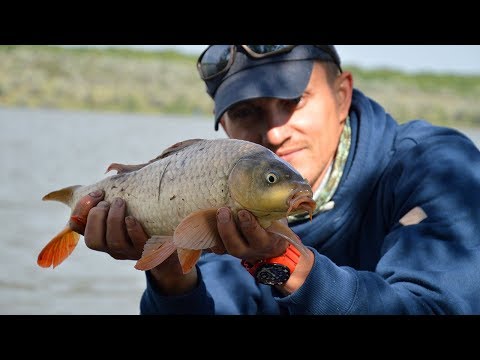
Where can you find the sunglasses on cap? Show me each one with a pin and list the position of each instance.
(217, 59)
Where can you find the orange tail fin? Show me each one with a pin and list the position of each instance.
(59, 248)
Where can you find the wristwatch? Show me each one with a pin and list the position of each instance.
(274, 271)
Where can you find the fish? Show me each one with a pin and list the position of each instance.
(176, 195)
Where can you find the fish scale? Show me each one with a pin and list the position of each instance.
(193, 177)
(187, 178)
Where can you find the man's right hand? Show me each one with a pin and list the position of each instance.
(108, 230)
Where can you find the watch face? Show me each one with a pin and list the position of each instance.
(272, 274)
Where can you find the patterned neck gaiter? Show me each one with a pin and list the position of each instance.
(330, 182)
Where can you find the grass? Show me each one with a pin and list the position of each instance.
(166, 82)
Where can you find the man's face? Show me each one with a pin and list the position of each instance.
(305, 132)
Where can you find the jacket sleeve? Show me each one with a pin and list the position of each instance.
(430, 267)
(224, 288)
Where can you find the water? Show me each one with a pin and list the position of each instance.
(43, 150)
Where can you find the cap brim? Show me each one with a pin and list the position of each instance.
(283, 80)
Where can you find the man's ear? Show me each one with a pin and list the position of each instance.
(223, 124)
(343, 92)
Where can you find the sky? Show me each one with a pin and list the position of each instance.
(459, 59)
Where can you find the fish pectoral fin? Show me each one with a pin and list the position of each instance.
(155, 251)
(281, 229)
(59, 248)
(154, 243)
(122, 168)
(198, 230)
(188, 258)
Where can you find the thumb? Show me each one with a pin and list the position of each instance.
(78, 220)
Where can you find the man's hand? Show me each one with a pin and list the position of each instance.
(108, 230)
(248, 240)
(251, 242)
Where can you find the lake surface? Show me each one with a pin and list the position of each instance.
(44, 150)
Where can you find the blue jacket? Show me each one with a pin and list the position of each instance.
(366, 262)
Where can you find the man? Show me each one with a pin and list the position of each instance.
(397, 224)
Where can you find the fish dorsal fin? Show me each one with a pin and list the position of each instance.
(155, 251)
(122, 168)
(176, 147)
(281, 229)
(188, 258)
(198, 230)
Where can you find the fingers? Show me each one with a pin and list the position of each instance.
(248, 240)
(261, 244)
(116, 235)
(108, 230)
(228, 231)
(96, 227)
(251, 230)
(137, 234)
(81, 210)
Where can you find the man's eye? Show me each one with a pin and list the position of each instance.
(242, 112)
(291, 104)
(297, 101)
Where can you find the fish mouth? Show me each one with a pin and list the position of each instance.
(301, 199)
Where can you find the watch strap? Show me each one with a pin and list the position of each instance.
(276, 270)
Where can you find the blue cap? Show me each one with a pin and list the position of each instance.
(283, 76)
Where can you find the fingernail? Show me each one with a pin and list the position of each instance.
(130, 221)
(118, 202)
(96, 193)
(223, 216)
(244, 216)
(103, 204)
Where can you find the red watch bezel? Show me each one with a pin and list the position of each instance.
(289, 259)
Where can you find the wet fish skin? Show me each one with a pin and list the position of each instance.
(191, 180)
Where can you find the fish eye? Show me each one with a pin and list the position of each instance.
(272, 178)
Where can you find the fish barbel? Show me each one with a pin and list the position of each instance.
(176, 196)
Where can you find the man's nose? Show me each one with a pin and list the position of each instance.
(276, 130)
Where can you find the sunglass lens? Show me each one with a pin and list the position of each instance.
(267, 49)
(215, 60)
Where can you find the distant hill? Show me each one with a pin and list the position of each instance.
(166, 82)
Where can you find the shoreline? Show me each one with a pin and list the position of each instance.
(167, 83)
